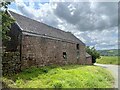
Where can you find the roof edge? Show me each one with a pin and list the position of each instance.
(15, 20)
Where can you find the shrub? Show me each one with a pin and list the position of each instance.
(92, 51)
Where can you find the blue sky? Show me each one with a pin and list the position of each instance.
(95, 23)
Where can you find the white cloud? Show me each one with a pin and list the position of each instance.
(94, 23)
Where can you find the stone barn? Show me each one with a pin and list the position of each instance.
(40, 44)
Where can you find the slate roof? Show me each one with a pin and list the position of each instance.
(88, 55)
(32, 26)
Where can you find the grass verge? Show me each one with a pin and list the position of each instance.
(72, 76)
(108, 60)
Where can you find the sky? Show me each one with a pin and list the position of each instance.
(94, 23)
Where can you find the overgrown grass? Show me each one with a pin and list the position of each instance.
(109, 60)
(72, 76)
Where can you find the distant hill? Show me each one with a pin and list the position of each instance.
(111, 52)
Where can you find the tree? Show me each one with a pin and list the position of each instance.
(93, 52)
(5, 23)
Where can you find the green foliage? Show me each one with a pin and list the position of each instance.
(6, 22)
(93, 52)
(72, 76)
(4, 4)
(57, 84)
(109, 60)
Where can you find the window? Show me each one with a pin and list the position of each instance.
(64, 55)
(77, 46)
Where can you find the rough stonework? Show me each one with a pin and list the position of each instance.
(11, 62)
(40, 51)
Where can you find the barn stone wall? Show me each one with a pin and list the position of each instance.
(40, 51)
(11, 62)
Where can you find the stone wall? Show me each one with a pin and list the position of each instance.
(89, 60)
(11, 62)
(40, 51)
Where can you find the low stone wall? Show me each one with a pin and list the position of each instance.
(11, 62)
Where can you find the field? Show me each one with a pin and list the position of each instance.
(110, 52)
(108, 60)
(72, 76)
